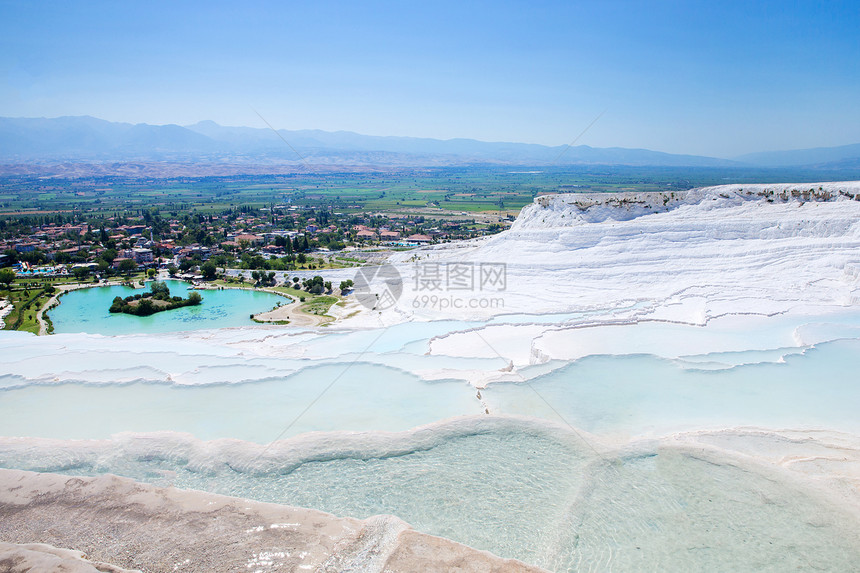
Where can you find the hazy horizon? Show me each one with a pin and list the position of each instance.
(714, 80)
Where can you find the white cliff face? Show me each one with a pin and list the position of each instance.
(572, 209)
(732, 248)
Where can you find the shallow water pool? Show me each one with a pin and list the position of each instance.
(86, 310)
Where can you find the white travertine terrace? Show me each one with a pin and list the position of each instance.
(688, 255)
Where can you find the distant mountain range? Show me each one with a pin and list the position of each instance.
(88, 139)
(845, 156)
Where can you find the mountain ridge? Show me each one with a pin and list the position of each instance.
(87, 138)
(813, 156)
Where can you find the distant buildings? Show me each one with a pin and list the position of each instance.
(132, 229)
(142, 256)
(117, 262)
(26, 247)
(254, 240)
(420, 239)
(198, 238)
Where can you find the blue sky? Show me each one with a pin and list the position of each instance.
(710, 78)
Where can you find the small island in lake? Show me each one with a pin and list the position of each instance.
(158, 299)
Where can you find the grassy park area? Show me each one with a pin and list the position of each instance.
(26, 302)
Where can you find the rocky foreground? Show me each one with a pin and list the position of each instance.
(114, 524)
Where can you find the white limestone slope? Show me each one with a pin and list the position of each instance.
(683, 256)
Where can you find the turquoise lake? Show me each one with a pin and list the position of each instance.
(86, 310)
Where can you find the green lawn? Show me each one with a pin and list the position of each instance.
(297, 294)
(319, 305)
(26, 303)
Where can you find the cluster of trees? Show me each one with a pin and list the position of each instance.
(316, 285)
(297, 245)
(158, 299)
(286, 263)
(7, 275)
(36, 257)
(256, 263)
(262, 278)
(247, 261)
(333, 241)
(209, 269)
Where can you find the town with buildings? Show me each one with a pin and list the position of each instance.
(277, 238)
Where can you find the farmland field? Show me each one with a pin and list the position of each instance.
(500, 190)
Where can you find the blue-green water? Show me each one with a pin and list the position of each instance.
(644, 394)
(511, 487)
(344, 402)
(366, 397)
(86, 310)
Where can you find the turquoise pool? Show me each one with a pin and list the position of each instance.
(86, 310)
